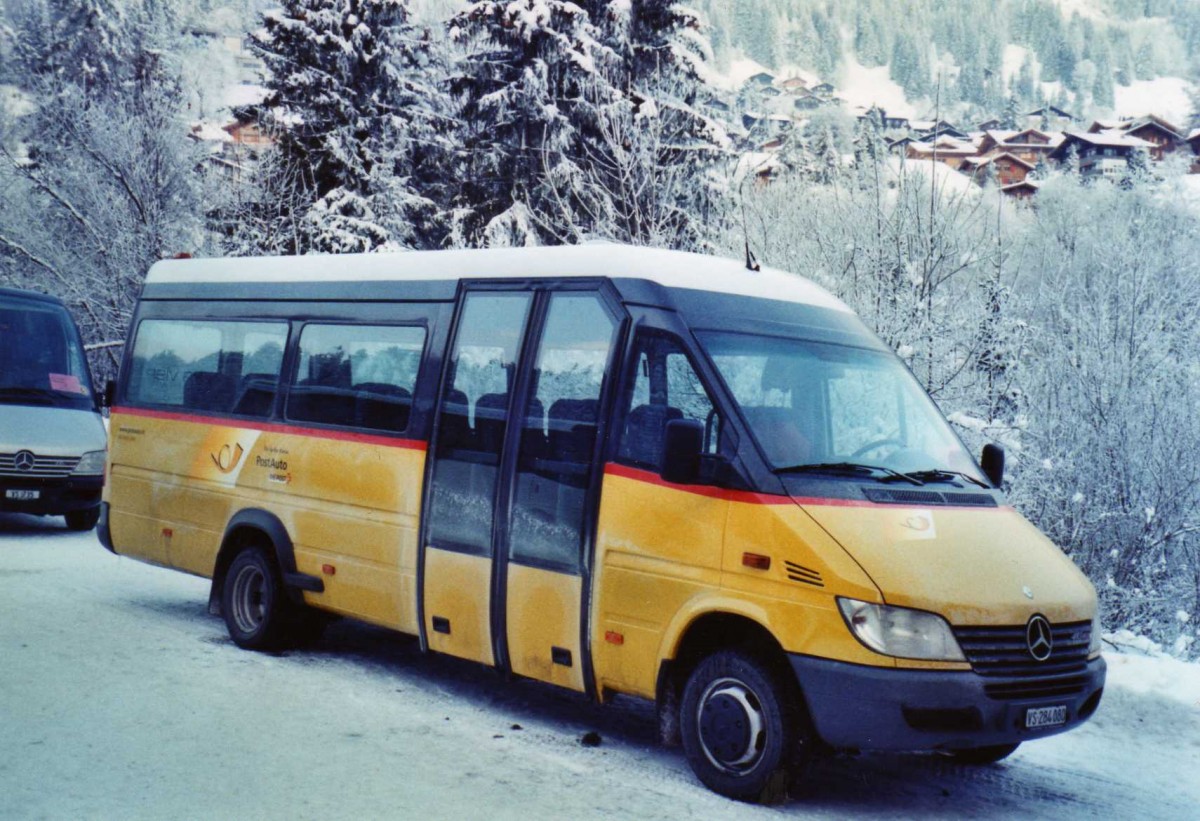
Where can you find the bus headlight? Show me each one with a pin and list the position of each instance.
(1094, 646)
(92, 464)
(901, 632)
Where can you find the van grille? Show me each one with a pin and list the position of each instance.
(44, 467)
(1002, 652)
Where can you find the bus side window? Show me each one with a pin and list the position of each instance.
(665, 387)
(208, 366)
(359, 376)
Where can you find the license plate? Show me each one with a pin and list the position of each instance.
(1045, 717)
(22, 495)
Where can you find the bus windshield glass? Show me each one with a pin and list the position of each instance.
(41, 359)
(810, 404)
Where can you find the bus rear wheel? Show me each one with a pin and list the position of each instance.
(743, 727)
(253, 601)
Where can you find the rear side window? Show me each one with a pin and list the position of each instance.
(360, 376)
(207, 366)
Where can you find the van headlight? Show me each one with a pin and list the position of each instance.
(92, 464)
(1097, 637)
(901, 632)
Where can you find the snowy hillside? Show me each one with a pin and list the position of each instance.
(1091, 57)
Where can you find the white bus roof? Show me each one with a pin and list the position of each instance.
(673, 269)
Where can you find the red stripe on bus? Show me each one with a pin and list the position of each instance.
(749, 497)
(269, 427)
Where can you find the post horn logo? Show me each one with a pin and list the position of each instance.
(228, 457)
(1039, 638)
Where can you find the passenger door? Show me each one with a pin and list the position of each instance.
(455, 573)
(555, 488)
(511, 506)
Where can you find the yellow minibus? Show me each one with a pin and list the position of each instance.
(613, 469)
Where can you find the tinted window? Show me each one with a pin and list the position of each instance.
(665, 387)
(559, 433)
(41, 361)
(473, 420)
(356, 375)
(222, 367)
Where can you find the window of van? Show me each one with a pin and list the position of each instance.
(207, 366)
(356, 375)
(665, 387)
(41, 362)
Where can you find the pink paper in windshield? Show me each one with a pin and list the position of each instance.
(65, 383)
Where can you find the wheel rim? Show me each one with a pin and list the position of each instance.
(732, 726)
(249, 599)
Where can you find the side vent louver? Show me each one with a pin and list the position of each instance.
(802, 574)
(897, 496)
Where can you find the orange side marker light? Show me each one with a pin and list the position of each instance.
(328, 569)
(756, 561)
(613, 637)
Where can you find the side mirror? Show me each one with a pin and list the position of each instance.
(109, 395)
(682, 446)
(992, 463)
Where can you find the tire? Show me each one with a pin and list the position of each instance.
(983, 755)
(82, 520)
(744, 727)
(253, 601)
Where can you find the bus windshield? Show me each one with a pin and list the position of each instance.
(810, 404)
(41, 359)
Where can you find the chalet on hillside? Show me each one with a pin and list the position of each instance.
(1051, 115)
(1006, 169)
(823, 90)
(1105, 154)
(946, 150)
(794, 85)
(1193, 140)
(1164, 137)
(990, 125)
(762, 79)
(931, 130)
(880, 116)
(807, 102)
(1023, 190)
(1030, 145)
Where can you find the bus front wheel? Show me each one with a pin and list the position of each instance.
(253, 601)
(743, 727)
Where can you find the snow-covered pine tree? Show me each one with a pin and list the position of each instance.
(1010, 119)
(80, 42)
(1138, 171)
(353, 114)
(532, 78)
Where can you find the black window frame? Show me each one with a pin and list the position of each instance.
(125, 397)
(291, 366)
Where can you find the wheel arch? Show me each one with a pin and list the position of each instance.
(257, 526)
(703, 633)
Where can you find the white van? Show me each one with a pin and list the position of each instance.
(52, 438)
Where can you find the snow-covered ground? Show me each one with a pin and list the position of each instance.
(121, 698)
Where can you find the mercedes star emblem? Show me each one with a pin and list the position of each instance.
(1039, 638)
(23, 460)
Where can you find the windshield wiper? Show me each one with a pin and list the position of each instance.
(941, 475)
(882, 474)
(30, 393)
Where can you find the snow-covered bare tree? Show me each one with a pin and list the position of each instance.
(96, 182)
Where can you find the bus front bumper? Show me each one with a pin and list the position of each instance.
(878, 708)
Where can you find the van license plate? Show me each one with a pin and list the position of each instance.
(22, 495)
(1045, 717)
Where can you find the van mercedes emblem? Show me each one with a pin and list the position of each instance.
(1039, 638)
(24, 461)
